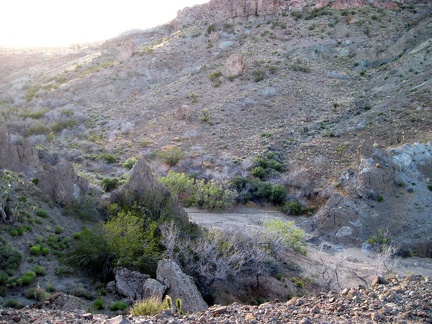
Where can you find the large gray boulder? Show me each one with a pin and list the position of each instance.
(153, 288)
(180, 285)
(130, 283)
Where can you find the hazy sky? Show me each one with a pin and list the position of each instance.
(64, 22)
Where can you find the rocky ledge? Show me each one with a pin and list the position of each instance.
(396, 299)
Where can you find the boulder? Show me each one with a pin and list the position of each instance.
(233, 66)
(180, 285)
(153, 287)
(130, 283)
(61, 183)
(125, 51)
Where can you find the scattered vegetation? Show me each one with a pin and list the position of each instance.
(149, 307)
(118, 306)
(171, 156)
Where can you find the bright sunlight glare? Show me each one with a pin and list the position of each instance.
(28, 23)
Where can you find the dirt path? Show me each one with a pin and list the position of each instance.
(334, 265)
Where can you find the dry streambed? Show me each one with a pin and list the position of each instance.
(333, 265)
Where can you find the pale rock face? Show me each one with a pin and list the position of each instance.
(234, 66)
(130, 283)
(125, 51)
(180, 285)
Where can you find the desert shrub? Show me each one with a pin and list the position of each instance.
(181, 185)
(129, 163)
(214, 195)
(4, 278)
(28, 278)
(259, 75)
(118, 305)
(214, 76)
(58, 230)
(292, 208)
(430, 187)
(44, 251)
(10, 259)
(12, 303)
(380, 241)
(107, 158)
(40, 270)
(2, 291)
(278, 194)
(37, 130)
(291, 236)
(82, 292)
(37, 114)
(41, 213)
(98, 304)
(109, 184)
(171, 156)
(90, 252)
(259, 172)
(38, 294)
(62, 124)
(296, 14)
(35, 250)
(149, 307)
(133, 240)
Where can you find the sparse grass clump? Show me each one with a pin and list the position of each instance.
(259, 75)
(149, 307)
(38, 294)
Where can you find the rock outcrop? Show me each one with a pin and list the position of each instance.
(180, 286)
(378, 195)
(61, 183)
(17, 157)
(221, 10)
(145, 189)
(56, 178)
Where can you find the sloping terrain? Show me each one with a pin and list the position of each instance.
(340, 95)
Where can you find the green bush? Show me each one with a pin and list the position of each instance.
(107, 158)
(278, 194)
(292, 208)
(2, 291)
(215, 75)
(44, 251)
(58, 230)
(60, 125)
(35, 250)
(89, 252)
(110, 184)
(214, 195)
(98, 304)
(181, 185)
(12, 303)
(10, 259)
(430, 187)
(38, 294)
(40, 270)
(118, 305)
(149, 307)
(288, 233)
(82, 292)
(28, 278)
(259, 172)
(129, 163)
(259, 75)
(171, 156)
(41, 213)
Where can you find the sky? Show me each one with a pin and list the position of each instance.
(29, 23)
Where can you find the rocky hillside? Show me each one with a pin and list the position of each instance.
(330, 102)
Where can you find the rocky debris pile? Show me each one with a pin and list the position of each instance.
(397, 299)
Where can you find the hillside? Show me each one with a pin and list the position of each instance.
(328, 102)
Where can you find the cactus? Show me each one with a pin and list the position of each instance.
(179, 306)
